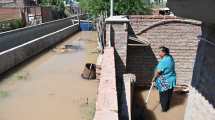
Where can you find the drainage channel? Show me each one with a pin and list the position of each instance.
(50, 86)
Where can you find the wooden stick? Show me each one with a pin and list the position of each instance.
(147, 98)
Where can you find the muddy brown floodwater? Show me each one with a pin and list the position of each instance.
(152, 110)
(49, 86)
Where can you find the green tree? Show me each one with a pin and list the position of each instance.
(56, 5)
(122, 7)
(59, 3)
(132, 7)
(94, 7)
(44, 2)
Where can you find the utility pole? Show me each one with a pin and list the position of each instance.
(111, 7)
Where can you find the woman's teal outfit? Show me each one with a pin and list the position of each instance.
(166, 81)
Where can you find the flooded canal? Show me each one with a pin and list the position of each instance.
(49, 86)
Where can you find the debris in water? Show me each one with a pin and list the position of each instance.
(89, 71)
(87, 100)
(67, 48)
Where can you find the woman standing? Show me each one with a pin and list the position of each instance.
(165, 77)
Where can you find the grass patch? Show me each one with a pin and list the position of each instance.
(3, 93)
(22, 76)
(88, 110)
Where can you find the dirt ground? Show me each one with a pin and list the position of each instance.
(49, 86)
(152, 110)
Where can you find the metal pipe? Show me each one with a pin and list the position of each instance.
(110, 36)
(111, 7)
(201, 38)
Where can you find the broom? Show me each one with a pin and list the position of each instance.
(150, 90)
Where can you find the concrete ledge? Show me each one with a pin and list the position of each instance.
(98, 66)
(152, 17)
(107, 104)
(127, 96)
(163, 22)
(106, 115)
(120, 19)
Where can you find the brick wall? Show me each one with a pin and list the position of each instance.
(177, 34)
(139, 22)
(9, 14)
(116, 32)
(120, 39)
(47, 14)
(201, 101)
(107, 104)
(20, 3)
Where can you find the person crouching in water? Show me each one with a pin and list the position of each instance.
(165, 77)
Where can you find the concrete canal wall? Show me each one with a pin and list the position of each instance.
(21, 44)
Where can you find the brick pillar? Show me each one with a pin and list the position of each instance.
(117, 36)
(201, 101)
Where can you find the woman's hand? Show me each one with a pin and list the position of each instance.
(156, 74)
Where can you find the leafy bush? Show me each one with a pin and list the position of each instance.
(11, 24)
(16, 24)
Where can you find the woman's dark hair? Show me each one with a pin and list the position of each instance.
(164, 49)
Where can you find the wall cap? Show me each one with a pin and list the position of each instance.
(163, 22)
(121, 19)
